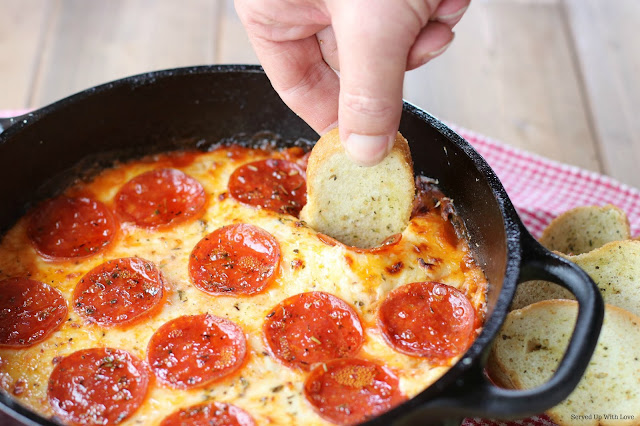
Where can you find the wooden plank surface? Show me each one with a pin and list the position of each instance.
(23, 25)
(233, 44)
(93, 42)
(608, 52)
(509, 74)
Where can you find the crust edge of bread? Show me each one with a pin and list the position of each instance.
(330, 144)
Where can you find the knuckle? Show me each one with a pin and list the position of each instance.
(367, 105)
(422, 9)
(303, 83)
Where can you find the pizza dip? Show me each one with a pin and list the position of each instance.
(182, 288)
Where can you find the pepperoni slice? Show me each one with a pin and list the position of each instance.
(276, 185)
(312, 327)
(349, 391)
(119, 291)
(193, 351)
(29, 311)
(428, 319)
(160, 198)
(235, 259)
(97, 386)
(69, 228)
(214, 413)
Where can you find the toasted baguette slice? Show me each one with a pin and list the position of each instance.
(530, 292)
(614, 267)
(583, 229)
(532, 341)
(359, 206)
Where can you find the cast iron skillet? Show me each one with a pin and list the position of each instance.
(199, 106)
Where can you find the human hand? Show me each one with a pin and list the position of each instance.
(370, 42)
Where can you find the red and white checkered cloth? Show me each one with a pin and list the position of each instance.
(541, 420)
(540, 189)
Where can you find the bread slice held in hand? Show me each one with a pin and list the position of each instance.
(359, 206)
(532, 341)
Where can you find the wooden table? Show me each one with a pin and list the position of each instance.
(557, 77)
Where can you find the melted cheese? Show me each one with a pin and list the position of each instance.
(269, 391)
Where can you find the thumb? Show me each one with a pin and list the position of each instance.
(374, 38)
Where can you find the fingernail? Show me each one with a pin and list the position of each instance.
(435, 53)
(367, 150)
(452, 16)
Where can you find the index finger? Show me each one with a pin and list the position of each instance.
(302, 78)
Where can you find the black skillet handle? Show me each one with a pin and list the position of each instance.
(476, 396)
(540, 264)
